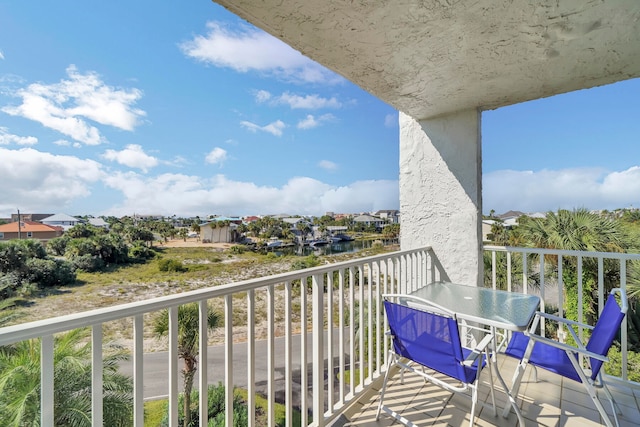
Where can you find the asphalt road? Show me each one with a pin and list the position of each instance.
(156, 368)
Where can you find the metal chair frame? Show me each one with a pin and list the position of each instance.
(476, 357)
(580, 357)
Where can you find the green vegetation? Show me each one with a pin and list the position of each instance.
(156, 412)
(578, 230)
(20, 383)
(188, 327)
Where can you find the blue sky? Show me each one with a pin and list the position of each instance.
(115, 108)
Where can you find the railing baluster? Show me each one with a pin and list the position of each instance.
(304, 386)
(370, 326)
(46, 381)
(173, 366)
(270, 356)
(96, 376)
(624, 340)
(251, 357)
(509, 271)
(541, 267)
(288, 371)
(352, 334)
(341, 344)
(203, 342)
(317, 310)
(228, 359)
(138, 372)
(378, 306)
(361, 327)
(330, 346)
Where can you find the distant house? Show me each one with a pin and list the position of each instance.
(99, 222)
(62, 220)
(29, 216)
(215, 232)
(368, 220)
(392, 216)
(29, 230)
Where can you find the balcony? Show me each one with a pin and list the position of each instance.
(331, 373)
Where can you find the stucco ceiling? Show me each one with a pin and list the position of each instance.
(433, 57)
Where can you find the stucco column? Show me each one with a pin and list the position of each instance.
(441, 191)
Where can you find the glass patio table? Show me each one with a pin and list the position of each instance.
(497, 309)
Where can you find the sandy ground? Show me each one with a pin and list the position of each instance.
(191, 243)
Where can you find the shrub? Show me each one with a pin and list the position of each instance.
(141, 251)
(58, 245)
(49, 272)
(88, 263)
(237, 249)
(171, 265)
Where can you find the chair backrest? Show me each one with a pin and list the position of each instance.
(606, 329)
(427, 337)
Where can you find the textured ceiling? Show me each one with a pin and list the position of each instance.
(433, 57)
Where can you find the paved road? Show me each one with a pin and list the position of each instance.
(156, 366)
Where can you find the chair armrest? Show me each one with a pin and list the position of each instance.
(567, 347)
(477, 350)
(563, 320)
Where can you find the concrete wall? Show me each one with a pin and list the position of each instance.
(441, 191)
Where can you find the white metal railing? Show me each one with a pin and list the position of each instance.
(542, 271)
(335, 310)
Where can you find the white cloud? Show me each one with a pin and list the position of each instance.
(311, 122)
(274, 128)
(216, 156)
(37, 181)
(309, 102)
(391, 120)
(7, 138)
(62, 142)
(1, 55)
(549, 190)
(185, 195)
(262, 96)
(66, 106)
(328, 165)
(248, 49)
(133, 156)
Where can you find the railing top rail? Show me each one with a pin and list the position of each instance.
(16, 333)
(584, 254)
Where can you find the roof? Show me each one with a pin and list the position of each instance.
(60, 217)
(430, 58)
(98, 222)
(28, 226)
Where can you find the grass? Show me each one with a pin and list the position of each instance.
(155, 410)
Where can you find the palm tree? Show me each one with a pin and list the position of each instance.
(578, 230)
(20, 383)
(304, 229)
(188, 326)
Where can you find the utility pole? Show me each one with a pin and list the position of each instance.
(19, 227)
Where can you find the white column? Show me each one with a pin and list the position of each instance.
(441, 191)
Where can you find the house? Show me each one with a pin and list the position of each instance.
(29, 216)
(368, 220)
(62, 220)
(219, 230)
(99, 222)
(391, 216)
(29, 230)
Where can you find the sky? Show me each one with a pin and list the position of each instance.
(173, 108)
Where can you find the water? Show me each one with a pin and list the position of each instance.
(335, 248)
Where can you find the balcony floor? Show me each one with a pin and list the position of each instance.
(552, 401)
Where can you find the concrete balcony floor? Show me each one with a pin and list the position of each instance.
(551, 401)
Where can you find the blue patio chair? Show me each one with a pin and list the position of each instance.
(581, 363)
(425, 335)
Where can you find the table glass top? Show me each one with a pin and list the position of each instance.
(508, 310)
